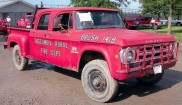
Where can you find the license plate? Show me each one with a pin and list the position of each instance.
(157, 69)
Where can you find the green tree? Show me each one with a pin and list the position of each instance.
(100, 3)
(167, 7)
(93, 3)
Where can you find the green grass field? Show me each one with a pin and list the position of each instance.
(176, 31)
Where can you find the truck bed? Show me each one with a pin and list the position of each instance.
(17, 30)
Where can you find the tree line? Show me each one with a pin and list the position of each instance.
(168, 8)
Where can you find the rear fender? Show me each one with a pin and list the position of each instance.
(22, 41)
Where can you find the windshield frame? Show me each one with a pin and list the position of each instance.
(119, 19)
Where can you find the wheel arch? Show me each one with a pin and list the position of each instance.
(89, 55)
(22, 41)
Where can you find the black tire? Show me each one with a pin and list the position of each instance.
(5, 32)
(19, 61)
(97, 81)
(151, 79)
(132, 28)
(178, 24)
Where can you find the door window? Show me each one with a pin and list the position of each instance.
(63, 22)
(44, 22)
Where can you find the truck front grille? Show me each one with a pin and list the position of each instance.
(153, 54)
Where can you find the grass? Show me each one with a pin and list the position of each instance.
(176, 31)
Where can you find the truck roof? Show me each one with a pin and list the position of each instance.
(77, 9)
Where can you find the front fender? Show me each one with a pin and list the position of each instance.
(110, 53)
(22, 41)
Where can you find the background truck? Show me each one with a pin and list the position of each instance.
(174, 22)
(4, 26)
(94, 42)
(132, 22)
(25, 21)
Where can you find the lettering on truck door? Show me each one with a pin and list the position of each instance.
(38, 40)
(59, 51)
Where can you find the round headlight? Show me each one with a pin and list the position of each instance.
(130, 56)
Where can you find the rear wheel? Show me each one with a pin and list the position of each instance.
(5, 32)
(151, 79)
(178, 24)
(132, 27)
(97, 81)
(20, 62)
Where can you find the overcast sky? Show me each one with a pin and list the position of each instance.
(133, 5)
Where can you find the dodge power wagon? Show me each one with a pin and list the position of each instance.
(95, 43)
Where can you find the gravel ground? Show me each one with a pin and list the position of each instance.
(42, 84)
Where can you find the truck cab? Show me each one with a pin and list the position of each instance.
(94, 42)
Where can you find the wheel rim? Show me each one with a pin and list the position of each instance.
(97, 82)
(18, 57)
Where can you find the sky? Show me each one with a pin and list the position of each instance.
(133, 5)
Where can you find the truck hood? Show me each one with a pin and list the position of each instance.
(124, 37)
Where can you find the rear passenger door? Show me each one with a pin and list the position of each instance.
(38, 40)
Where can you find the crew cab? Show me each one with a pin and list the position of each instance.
(25, 21)
(95, 43)
(4, 26)
(133, 22)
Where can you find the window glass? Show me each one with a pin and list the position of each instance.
(98, 19)
(44, 22)
(63, 22)
(30, 18)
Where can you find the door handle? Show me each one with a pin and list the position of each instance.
(47, 34)
(33, 32)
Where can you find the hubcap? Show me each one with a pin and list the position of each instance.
(97, 82)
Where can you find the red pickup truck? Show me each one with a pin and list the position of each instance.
(4, 26)
(94, 42)
(132, 22)
(25, 21)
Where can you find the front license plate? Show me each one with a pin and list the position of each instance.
(157, 69)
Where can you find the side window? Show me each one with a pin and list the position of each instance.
(63, 22)
(43, 22)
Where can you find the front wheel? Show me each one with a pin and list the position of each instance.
(178, 24)
(151, 79)
(20, 62)
(97, 81)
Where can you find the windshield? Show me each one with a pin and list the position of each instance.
(29, 18)
(98, 19)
